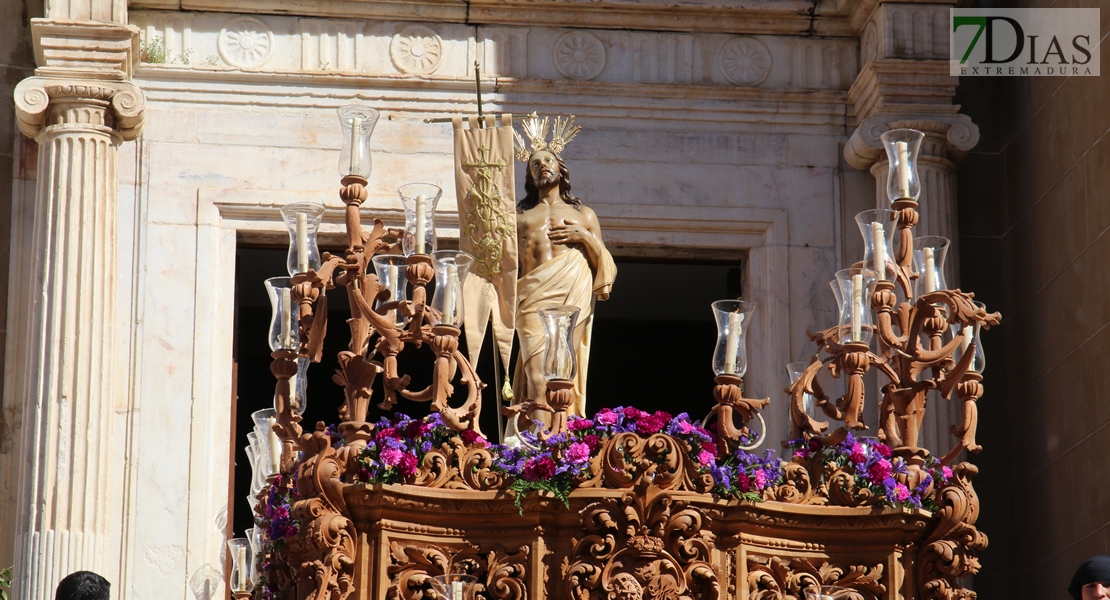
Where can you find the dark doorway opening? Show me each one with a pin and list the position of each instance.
(657, 322)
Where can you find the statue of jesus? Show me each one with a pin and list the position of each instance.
(563, 261)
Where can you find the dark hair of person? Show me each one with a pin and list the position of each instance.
(83, 585)
(532, 193)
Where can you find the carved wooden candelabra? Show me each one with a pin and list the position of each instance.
(646, 518)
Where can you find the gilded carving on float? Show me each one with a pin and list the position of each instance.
(744, 61)
(246, 42)
(579, 55)
(417, 50)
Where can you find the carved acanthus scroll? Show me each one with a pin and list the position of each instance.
(775, 578)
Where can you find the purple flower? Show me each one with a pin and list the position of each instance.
(578, 452)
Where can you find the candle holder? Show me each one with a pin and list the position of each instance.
(902, 148)
(419, 201)
(809, 406)
(852, 289)
(240, 579)
(733, 319)
(303, 221)
(730, 363)
(358, 124)
(453, 587)
(878, 227)
(929, 254)
(390, 269)
(451, 268)
(284, 329)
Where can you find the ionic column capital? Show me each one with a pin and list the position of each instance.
(948, 138)
(44, 104)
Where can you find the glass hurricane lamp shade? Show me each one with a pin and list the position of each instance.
(969, 335)
(303, 220)
(298, 387)
(451, 268)
(852, 289)
(929, 253)
(878, 227)
(391, 275)
(268, 453)
(254, 456)
(560, 361)
(254, 536)
(453, 587)
(242, 565)
(284, 332)
(358, 124)
(733, 321)
(902, 147)
(419, 201)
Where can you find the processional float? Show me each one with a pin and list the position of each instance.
(624, 504)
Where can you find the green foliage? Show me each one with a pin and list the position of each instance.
(5, 583)
(154, 51)
(558, 486)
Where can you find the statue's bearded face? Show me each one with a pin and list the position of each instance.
(544, 168)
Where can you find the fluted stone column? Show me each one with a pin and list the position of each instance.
(65, 521)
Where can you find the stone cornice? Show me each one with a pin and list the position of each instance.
(100, 50)
(894, 85)
(771, 17)
(48, 103)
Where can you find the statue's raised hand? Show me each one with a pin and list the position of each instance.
(570, 232)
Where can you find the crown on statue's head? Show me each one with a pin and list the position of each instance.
(536, 130)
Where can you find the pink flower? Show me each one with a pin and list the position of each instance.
(710, 448)
(880, 470)
(634, 413)
(391, 457)
(651, 425)
(685, 427)
(606, 417)
(882, 449)
(536, 469)
(579, 424)
(387, 433)
(471, 437)
(760, 479)
(408, 464)
(743, 482)
(901, 492)
(706, 458)
(858, 454)
(592, 441)
(578, 452)
(947, 472)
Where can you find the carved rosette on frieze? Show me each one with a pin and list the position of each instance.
(115, 108)
(643, 545)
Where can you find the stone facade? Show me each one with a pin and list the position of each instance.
(706, 127)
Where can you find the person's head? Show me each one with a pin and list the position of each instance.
(1092, 579)
(83, 585)
(544, 170)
